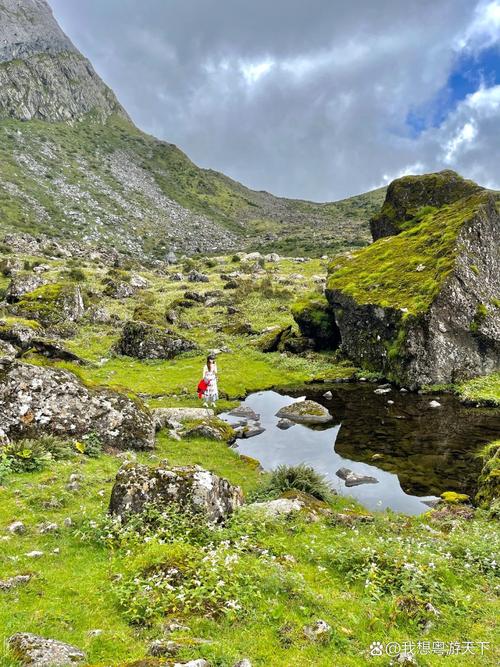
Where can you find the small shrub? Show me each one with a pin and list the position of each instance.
(75, 275)
(301, 478)
(33, 455)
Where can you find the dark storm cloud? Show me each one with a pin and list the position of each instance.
(301, 98)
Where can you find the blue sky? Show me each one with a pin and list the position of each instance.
(471, 71)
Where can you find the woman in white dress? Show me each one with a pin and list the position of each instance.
(210, 376)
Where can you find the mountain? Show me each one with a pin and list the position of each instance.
(73, 165)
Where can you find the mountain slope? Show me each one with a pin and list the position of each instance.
(73, 165)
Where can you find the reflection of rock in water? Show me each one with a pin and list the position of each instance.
(431, 450)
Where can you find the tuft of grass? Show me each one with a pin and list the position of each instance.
(299, 478)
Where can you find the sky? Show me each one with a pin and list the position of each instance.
(311, 99)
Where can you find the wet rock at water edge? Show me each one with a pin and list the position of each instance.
(434, 404)
(138, 486)
(284, 424)
(246, 412)
(354, 479)
(250, 430)
(305, 412)
(35, 651)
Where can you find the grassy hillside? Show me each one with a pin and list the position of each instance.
(109, 183)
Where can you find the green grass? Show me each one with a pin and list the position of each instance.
(407, 270)
(484, 390)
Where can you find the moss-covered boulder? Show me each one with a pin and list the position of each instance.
(409, 197)
(147, 341)
(22, 284)
(52, 304)
(211, 428)
(138, 487)
(316, 321)
(284, 339)
(305, 412)
(488, 489)
(19, 332)
(421, 307)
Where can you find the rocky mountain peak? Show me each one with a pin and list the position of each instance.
(28, 27)
(42, 74)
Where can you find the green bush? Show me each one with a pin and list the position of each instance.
(301, 478)
(33, 455)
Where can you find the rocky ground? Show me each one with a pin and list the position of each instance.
(273, 579)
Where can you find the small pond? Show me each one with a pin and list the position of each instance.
(414, 451)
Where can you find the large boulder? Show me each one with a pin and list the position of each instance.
(52, 304)
(138, 486)
(34, 651)
(20, 333)
(37, 400)
(423, 307)
(22, 284)
(147, 341)
(407, 195)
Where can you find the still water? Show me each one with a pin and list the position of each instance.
(415, 451)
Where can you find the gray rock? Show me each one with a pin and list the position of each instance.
(328, 395)
(197, 277)
(164, 648)
(119, 289)
(147, 341)
(35, 651)
(37, 400)
(7, 351)
(176, 277)
(318, 631)
(200, 662)
(167, 417)
(434, 404)
(305, 412)
(18, 334)
(212, 429)
(246, 412)
(17, 528)
(14, 582)
(284, 424)
(382, 390)
(139, 281)
(22, 284)
(34, 554)
(251, 430)
(48, 527)
(243, 663)
(354, 479)
(138, 485)
(278, 507)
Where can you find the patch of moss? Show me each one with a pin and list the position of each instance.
(454, 498)
(479, 317)
(44, 303)
(406, 271)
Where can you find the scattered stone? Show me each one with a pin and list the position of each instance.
(34, 554)
(434, 404)
(200, 662)
(246, 412)
(35, 651)
(305, 412)
(245, 662)
(382, 390)
(354, 479)
(138, 485)
(390, 402)
(164, 648)
(48, 527)
(278, 507)
(403, 660)
(168, 417)
(17, 528)
(119, 289)
(285, 424)
(352, 519)
(95, 633)
(174, 626)
(212, 429)
(176, 277)
(13, 582)
(197, 277)
(139, 281)
(328, 395)
(320, 630)
(99, 315)
(251, 430)
(37, 400)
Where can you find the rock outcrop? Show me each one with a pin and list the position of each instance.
(22, 284)
(147, 341)
(36, 400)
(423, 306)
(138, 486)
(52, 304)
(34, 651)
(305, 412)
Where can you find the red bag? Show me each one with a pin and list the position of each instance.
(202, 387)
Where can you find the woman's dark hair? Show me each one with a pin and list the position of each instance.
(210, 358)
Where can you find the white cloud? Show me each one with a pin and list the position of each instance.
(464, 137)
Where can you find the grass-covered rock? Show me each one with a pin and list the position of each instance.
(147, 341)
(420, 306)
(488, 492)
(51, 304)
(316, 321)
